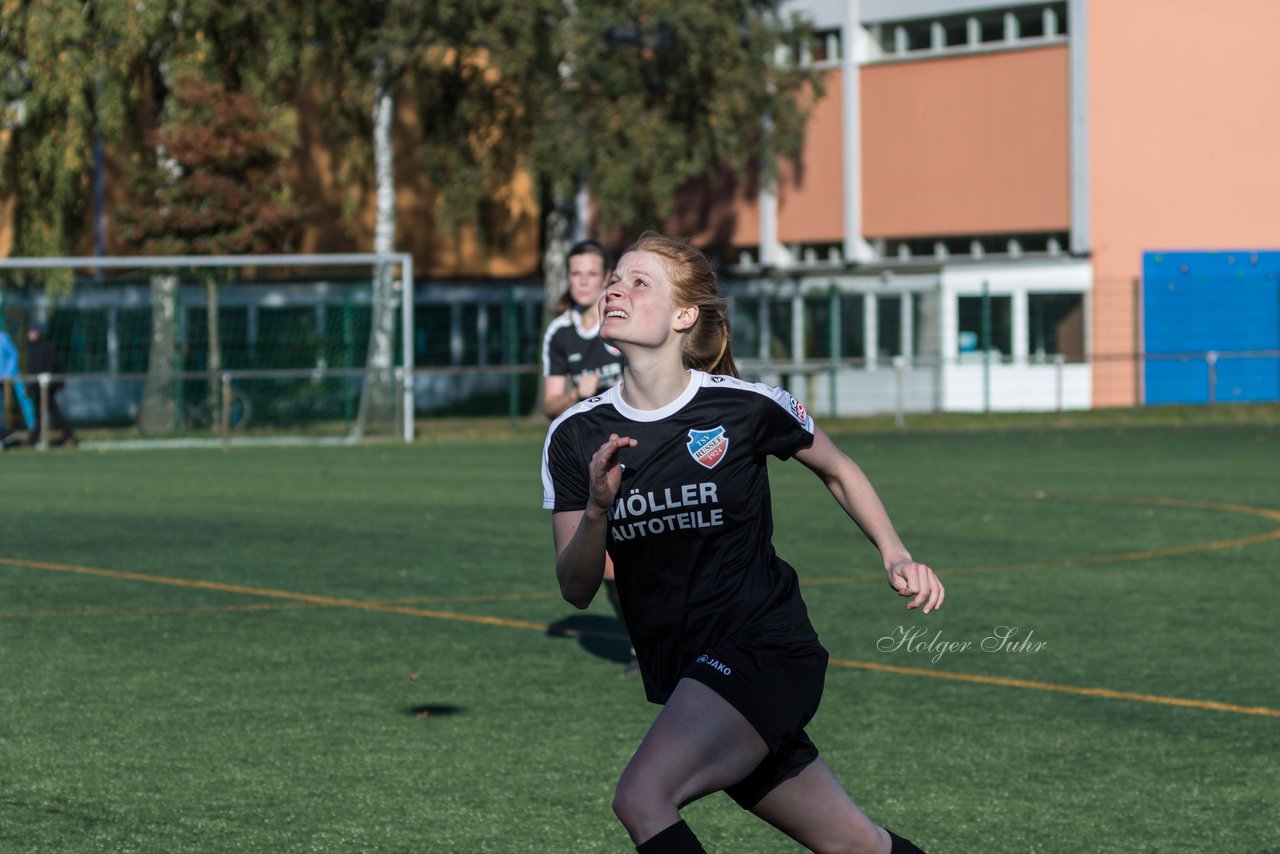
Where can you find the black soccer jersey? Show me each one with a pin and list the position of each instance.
(568, 351)
(690, 531)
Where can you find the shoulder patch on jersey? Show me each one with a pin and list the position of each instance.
(797, 409)
(708, 447)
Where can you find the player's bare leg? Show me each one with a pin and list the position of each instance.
(698, 744)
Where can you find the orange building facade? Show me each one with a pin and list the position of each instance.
(1027, 154)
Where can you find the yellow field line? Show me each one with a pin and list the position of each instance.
(277, 606)
(1122, 557)
(544, 628)
(136, 612)
(1211, 705)
(1062, 563)
(1106, 693)
(329, 601)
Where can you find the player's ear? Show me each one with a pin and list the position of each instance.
(686, 317)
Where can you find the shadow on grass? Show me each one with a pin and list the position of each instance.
(603, 637)
(432, 711)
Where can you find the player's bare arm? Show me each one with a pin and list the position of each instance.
(580, 534)
(559, 393)
(857, 497)
(588, 385)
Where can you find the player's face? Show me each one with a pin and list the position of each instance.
(638, 306)
(586, 279)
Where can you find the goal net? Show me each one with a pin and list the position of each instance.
(214, 349)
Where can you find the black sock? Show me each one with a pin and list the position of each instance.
(902, 846)
(676, 839)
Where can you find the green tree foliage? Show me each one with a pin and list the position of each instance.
(73, 71)
(68, 71)
(633, 98)
(653, 95)
(636, 98)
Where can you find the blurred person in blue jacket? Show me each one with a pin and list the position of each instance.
(9, 368)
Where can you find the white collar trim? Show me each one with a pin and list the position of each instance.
(577, 324)
(633, 414)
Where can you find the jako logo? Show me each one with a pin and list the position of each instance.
(717, 665)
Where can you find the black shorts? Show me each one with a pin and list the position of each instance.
(777, 689)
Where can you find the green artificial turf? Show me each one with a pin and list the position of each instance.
(362, 649)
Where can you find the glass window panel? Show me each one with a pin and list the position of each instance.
(81, 339)
(470, 339)
(889, 326)
(744, 321)
(233, 335)
(971, 325)
(346, 334)
(1055, 325)
(780, 328)
(493, 349)
(817, 327)
(133, 331)
(852, 332)
(432, 332)
(287, 337)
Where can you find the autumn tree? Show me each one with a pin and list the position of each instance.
(218, 187)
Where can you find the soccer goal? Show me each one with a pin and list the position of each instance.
(220, 349)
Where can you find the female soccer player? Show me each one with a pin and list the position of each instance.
(667, 472)
(575, 362)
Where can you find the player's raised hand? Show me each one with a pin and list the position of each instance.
(605, 471)
(909, 578)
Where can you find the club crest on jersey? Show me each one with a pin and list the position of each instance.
(708, 447)
(797, 409)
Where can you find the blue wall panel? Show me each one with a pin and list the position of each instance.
(1195, 302)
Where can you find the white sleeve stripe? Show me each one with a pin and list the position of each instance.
(552, 328)
(548, 485)
(783, 398)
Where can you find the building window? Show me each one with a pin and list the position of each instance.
(780, 328)
(826, 46)
(82, 336)
(930, 250)
(1019, 24)
(985, 320)
(852, 332)
(1055, 326)
(889, 326)
(817, 327)
(744, 322)
(433, 327)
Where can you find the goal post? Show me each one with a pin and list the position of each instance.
(258, 342)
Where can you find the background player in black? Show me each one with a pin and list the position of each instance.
(576, 363)
(43, 358)
(661, 309)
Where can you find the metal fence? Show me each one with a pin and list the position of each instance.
(318, 404)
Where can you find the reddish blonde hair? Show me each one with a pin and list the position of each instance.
(708, 345)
